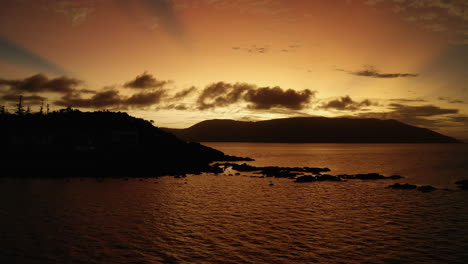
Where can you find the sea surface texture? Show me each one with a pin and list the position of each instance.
(245, 219)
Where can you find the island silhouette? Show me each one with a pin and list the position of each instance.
(310, 130)
(99, 144)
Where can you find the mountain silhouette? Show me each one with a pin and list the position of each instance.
(310, 130)
(104, 144)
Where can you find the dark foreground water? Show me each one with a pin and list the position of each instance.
(240, 219)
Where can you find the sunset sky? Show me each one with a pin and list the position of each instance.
(179, 62)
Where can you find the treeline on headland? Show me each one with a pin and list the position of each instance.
(69, 142)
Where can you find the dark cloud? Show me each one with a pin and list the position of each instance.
(13, 53)
(345, 103)
(145, 81)
(253, 49)
(407, 100)
(463, 120)
(427, 115)
(87, 91)
(33, 99)
(40, 83)
(267, 98)
(102, 99)
(224, 94)
(112, 98)
(184, 93)
(371, 71)
(421, 111)
(179, 107)
(451, 100)
(144, 99)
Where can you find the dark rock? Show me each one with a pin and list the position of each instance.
(426, 188)
(306, 178)
(405, 186)
(369, 176)
(463, 184)
(327, 177)
(315, 170)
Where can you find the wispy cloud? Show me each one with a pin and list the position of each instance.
(163, 10)
(406, 100)
(426, 115)
(371, 71)
(451, 100)
(253, 49)
(439, 16)
(77, 12)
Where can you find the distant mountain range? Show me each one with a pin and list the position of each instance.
(310, 130)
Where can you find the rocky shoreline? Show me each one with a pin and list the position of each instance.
(300, 175)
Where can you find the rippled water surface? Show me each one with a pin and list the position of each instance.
(240, 219)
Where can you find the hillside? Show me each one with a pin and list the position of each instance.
(310, 130)
(104, 144)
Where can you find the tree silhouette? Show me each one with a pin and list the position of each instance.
(2, 110)
(41, 110)
(19, 106)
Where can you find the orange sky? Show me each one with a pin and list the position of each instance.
(407, 59)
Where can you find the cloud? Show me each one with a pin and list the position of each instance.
(371, 71)
(267, 98)
(463, 120)
(102, 99)
(253, 49)
(184, 93)
(145, 81)
(33, 99)
(13, 53)
(113, 99)
(223, 94)
(274, 8)
(144, 99)
(180, 107)
(163, 10)
(421, 111)
(75, 11)
(407, 100)
(345, 103)
(439, 16)
(40, 83)
(451, 100)
(415, 115)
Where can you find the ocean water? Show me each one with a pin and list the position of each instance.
(242, 219)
